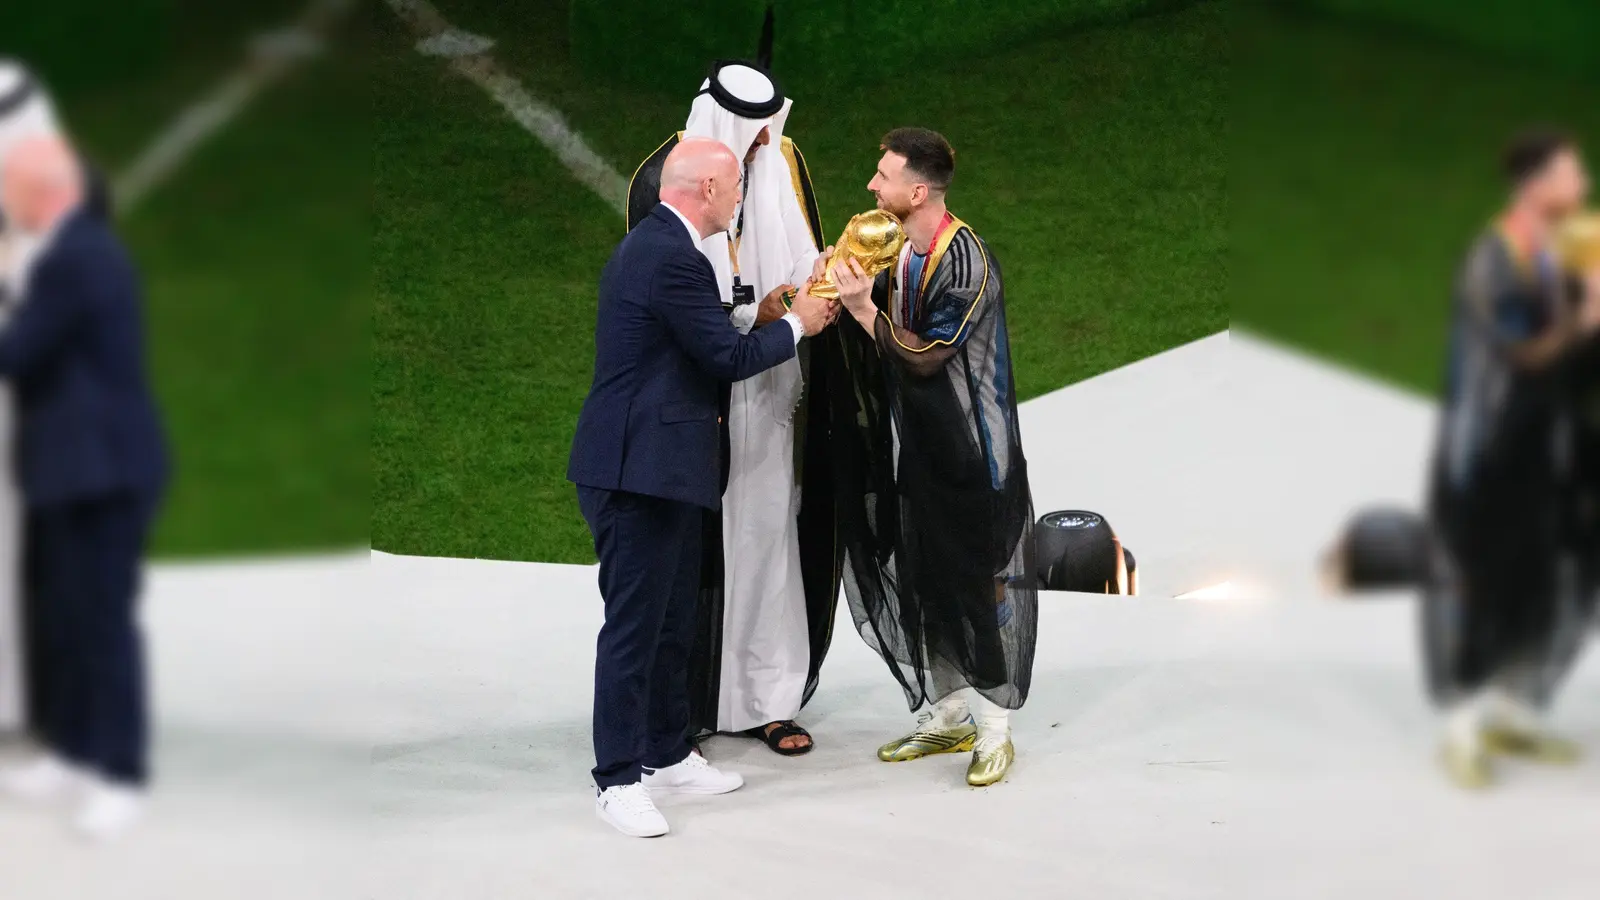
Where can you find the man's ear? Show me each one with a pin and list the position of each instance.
(919, 195)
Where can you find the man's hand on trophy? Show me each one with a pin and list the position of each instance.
(855, 292)
(813, 312)
(771, 308)
(820, 264)
(833, 305)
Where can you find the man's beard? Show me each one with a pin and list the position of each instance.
(1557, 211)
(889, 207)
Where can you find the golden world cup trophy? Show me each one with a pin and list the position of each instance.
(1578, 243)
(873, 239)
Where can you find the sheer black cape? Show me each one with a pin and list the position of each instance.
(934, 509)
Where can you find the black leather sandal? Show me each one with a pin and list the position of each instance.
(773, 738)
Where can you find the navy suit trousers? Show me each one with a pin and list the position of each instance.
(87, 656)
(649, 551)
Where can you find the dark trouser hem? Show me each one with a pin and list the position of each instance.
(669, 760)
(119, 775)
(621, 778)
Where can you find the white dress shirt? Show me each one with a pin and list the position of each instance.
(791, 318)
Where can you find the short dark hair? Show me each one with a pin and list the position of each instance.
(1530, 151)
(928, 155)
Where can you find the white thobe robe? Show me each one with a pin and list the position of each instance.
(766, 651)
(766, 647)
(16, 257)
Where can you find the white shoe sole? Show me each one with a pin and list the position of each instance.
(106, 832)
(672, 789)
(35, 794)
(630, 832)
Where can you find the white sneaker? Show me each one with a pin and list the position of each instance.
(692, 776)
(108, 811)
(629, 809)
(45, 779)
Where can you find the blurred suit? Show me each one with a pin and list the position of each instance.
(17, 682)
(91, 462)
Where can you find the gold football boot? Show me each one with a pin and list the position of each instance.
(1467, 764)
(991, 760)
(1533, 745)
(932, 736)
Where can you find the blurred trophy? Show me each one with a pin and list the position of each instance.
(1578, 243)
(873, 239)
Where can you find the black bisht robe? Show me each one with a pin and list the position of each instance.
(820, 552)
(1583, 523)
(1504, 598)
(1581, 398)
(934, 507)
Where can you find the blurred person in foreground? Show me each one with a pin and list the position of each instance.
(1504, 608)
(25, 111)
(770, 572)
(934, 506)
(92, 464)
(646, 458)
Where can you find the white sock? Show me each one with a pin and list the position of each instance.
(992, 719)
(1504, 709)
(951, 710)
(1463, 722)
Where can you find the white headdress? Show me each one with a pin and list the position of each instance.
(25, 111)
(776, 245)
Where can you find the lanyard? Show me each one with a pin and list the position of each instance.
(909, 292)
(737, 233)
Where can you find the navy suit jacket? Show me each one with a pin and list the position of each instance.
(74, 350)
(665, 353)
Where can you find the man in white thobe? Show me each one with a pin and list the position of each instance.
(763, 627)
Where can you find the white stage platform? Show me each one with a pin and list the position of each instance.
(260, 680)
(418, 728)
(1171, 748)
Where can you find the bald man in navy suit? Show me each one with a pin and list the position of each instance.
(92, 464)
(648, 461)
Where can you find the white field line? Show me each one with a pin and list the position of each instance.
(271, 56)
(469, 56)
